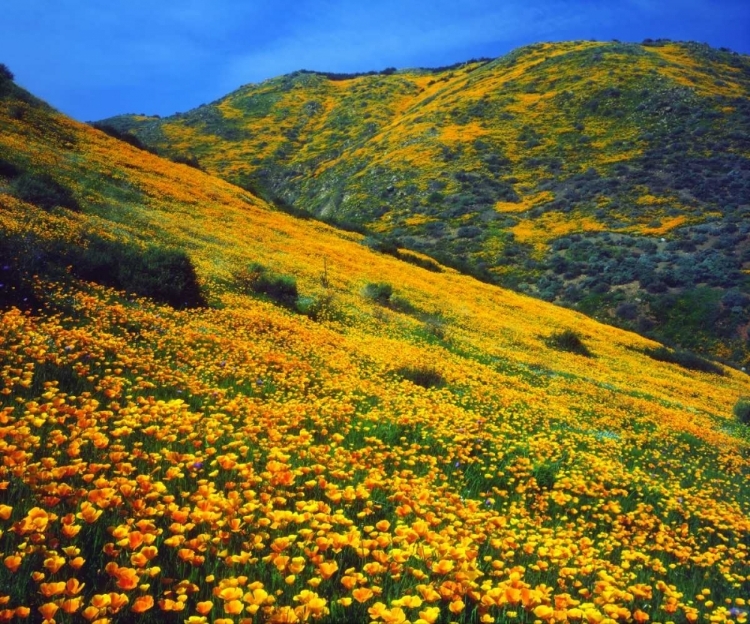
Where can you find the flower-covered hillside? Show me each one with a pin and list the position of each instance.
(324, 433)
(608, 176)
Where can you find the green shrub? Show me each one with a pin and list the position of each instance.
(379, 292)
(8, 169)
(162, 274)
(42, 190)
(425, 263)
(435, 327)
(686, 359)
(425, 377)
(20, 260)
(280, 288)
(742, 410)
(569, 340)
(322, 307)
(5, 73)
(127, 137)
(381, 245)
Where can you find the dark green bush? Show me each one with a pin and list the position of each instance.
(189, 160)
(280, 288)
(742, 410)
(127, 137)
(569, 340)
(686, 359)
(381, 245)
(425, 263)
(5, 73)
(42, 190)
(425, 377)
(20, 260)
(162, 274)
(379, 292)
(8, 169)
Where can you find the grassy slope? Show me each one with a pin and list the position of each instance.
(245, 459)
(501, 163)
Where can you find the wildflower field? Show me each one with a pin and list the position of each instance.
(432, 454)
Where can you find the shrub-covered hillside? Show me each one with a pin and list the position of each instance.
(609, 177)
(255, 418)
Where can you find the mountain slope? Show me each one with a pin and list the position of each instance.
(445, 452)
(606, 176)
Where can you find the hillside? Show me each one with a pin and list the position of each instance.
(392, 443)
(609, 177)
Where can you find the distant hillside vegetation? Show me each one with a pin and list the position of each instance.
(609, 177)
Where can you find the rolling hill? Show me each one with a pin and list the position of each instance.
(211, 410)
(609, 177)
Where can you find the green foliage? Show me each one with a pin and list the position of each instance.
(381, 245)
(9, 169)
(423, 376)
(569, 340)
(127, 137)
(42, 190)
(20, 260)
(686, 359)
(379, 292)
(279, 288)
(545, 475)
(190, 160)
(321, 307)
(663, 150)
(425, 263)
(162, 274)
(5, 73)
(742, 410)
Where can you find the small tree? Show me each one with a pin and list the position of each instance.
(568, 340)
(379, 292)
(5, 73)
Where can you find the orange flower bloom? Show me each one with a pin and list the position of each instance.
(101, 601)
(71, 605)
(127, 578)
(362, 594)
(204, 607)
(328, 568)
(52, 589)
(456, 607)
(48, 610)
(54, 563)
(233, 607)
(142, 603)
(117, 601)
(13, 562)
(444, 566)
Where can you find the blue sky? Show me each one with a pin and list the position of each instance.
(96, 58)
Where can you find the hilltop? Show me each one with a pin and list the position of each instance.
(609, 177)
(212, 410)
